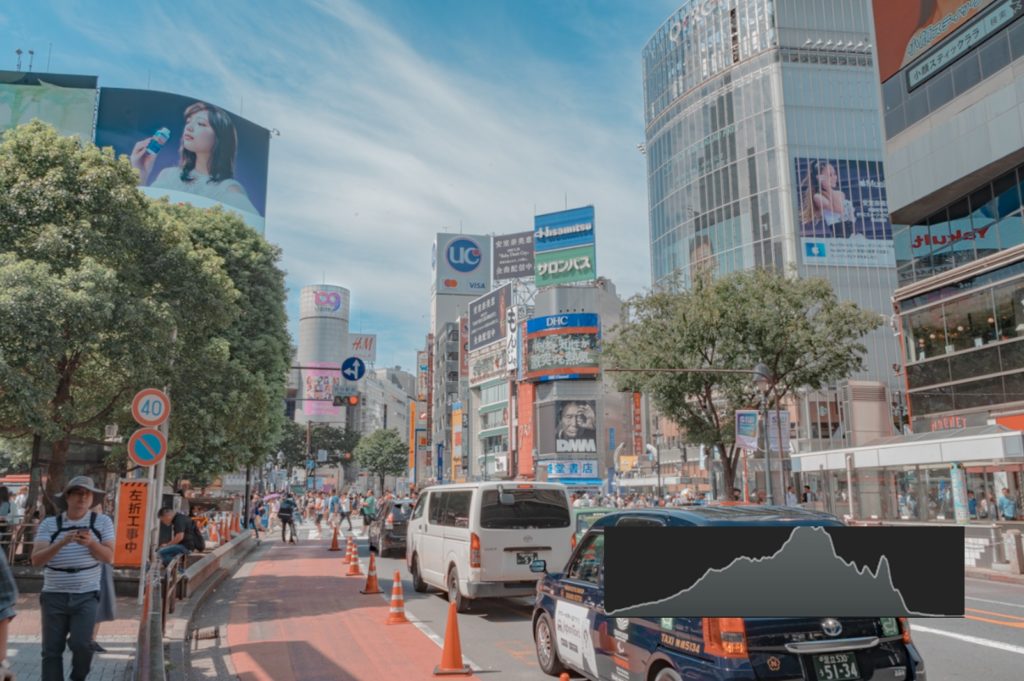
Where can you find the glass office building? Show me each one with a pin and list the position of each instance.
(764, 149)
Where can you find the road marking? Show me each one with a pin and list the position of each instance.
(989, 600)
(426, 631)
(988, 643)
(997, 614)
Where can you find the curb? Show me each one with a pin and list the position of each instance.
(994, 576)
(179, 624)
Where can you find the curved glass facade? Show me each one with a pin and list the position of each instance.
(749, 106)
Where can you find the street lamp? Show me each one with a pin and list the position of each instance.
(656, 453)
(763, 383)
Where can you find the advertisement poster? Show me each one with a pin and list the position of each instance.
(512, 338)
(318, 385)
(486, 365)
(463, 346)
(843, 213)
(912, 27)
(746, 429)
(576, 429)
(422, 370)
(562, 347)
(363, 346)
(638, 425)
(462, 264)
(488, 317)
(68, 103)
(775, 417)
(564, 247)
(457, 441)
(525, 442)
(513, 256)
(188, 150)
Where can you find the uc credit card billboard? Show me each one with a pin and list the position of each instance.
(462, 264)
(564, 247)
(188, 150)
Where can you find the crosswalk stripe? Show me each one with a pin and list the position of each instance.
(988, 643)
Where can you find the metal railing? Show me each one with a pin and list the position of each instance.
(149, 656)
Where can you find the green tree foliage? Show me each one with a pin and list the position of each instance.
(338, 442)
(383, 453)
(104, 292)
(797, 327)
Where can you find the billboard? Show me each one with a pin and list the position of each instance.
(324, 301)
(513, 256)
(363, 346)
(319, 382)
(524, 441)
(562, 347)
(188, 150)
(564, 247)
(576, 426)
(462, 264)
(910, 28)
(746, 429)
(573, 470)
(638, 425)
(463, 346)
(422, 372)
(68, 103)
(457, 442)
(843, 213)
(487, 364)
(488, 315)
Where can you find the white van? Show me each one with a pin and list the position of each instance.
(477, 540)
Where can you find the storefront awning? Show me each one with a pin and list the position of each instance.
(978, 443)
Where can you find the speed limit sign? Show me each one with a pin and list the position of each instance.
(151, 407)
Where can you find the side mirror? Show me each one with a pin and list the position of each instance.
(539, 566)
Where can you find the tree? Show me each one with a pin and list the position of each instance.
(337, 441)
(94, 281)
(795, 326)
(383, 453)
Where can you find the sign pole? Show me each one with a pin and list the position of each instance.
(144, 566)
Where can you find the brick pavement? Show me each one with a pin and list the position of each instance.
(24, 648)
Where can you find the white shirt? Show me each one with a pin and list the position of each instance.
(73, 555)
(229, 192)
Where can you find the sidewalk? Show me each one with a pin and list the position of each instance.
(24, 647)
(293, 616)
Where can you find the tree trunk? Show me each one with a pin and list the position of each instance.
(728, 469)
(55, 473)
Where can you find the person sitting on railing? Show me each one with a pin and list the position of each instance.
(72, 545)
(175, 535)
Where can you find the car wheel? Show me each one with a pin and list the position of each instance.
(418, 585)
(547, 652)
(667, 674)
(454, 595)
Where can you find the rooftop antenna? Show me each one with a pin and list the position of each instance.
(18, 52)
(567, 200)
(31, 54)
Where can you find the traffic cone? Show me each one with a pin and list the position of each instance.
(214, 534)
(334, 542)
(564, 676)
(451, 654)
(372, 587)
(346, 558)
(238, 524)
(397, 614)
(353, 566)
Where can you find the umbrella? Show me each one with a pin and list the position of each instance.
(275, 495)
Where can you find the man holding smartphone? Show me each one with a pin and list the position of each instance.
(71, 546)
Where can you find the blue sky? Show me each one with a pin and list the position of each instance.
(397, 120)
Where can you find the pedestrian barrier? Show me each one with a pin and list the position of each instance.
(353, 566)
(451, 654)
(334, 541)
(372, 587)
(397, 613)
(346, 558)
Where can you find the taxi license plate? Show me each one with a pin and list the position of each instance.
(836, 667)
(525, 558)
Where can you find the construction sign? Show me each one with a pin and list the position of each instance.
(132, 502)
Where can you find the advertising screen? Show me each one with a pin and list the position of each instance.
(843, 213)
(318, 385)
(65, 102)
(909, 28)
(562, 347)
(487, 364)
(488, 317)
(576, 426)
(513, 256)
(188, 150)
(462, 264)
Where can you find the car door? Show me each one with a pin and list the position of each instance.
(417, 519)
(432, 553)
(579, 599)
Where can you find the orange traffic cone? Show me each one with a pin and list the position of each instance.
(372, 587)
(397, 614)
(214, 534)
(353, 566)
(451, 654)
(346, 558)
(334, 541)
(564, 676)
(238, 524)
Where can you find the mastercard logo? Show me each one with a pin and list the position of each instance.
(451, 283)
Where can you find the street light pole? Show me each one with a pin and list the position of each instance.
(763, 380)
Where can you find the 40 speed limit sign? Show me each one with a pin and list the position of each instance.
(151, 407)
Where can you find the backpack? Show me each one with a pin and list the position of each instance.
(286, 510)
(61, 528)
(193, 536)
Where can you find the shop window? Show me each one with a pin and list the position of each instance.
(931, 401)
(925, 334)
(979, 363)
(970, 321)
(1009, 302)
(928, 373)
(979, 393)
(995, 55)
(966, 74)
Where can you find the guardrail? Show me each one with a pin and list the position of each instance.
(149, 656)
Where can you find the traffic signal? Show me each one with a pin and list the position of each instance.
(339, 401)
(353, 400)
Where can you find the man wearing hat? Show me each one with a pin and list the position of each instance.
(71, 546)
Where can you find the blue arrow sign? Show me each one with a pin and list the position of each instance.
(353, 368)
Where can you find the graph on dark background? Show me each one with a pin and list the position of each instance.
(745, 571)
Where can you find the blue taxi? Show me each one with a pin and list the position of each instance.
(571, 630)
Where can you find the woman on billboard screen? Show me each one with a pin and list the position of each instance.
(207, 165)
(825, 211)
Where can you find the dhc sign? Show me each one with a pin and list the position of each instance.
(463, 255)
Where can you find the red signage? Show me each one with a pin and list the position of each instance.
(524, 403)
(638, 426)
(132, 502)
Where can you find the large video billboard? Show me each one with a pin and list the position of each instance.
(488, 317)
(319, 381)
(66, 102)
(562, 347)
(843, 213)
(568, 427)
(188, 150)
(907, 29)
(462, 264)
(564, 247)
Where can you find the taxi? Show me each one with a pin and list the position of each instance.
(572, 632)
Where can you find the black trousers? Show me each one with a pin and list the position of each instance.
(67, 619)
(285, 524)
